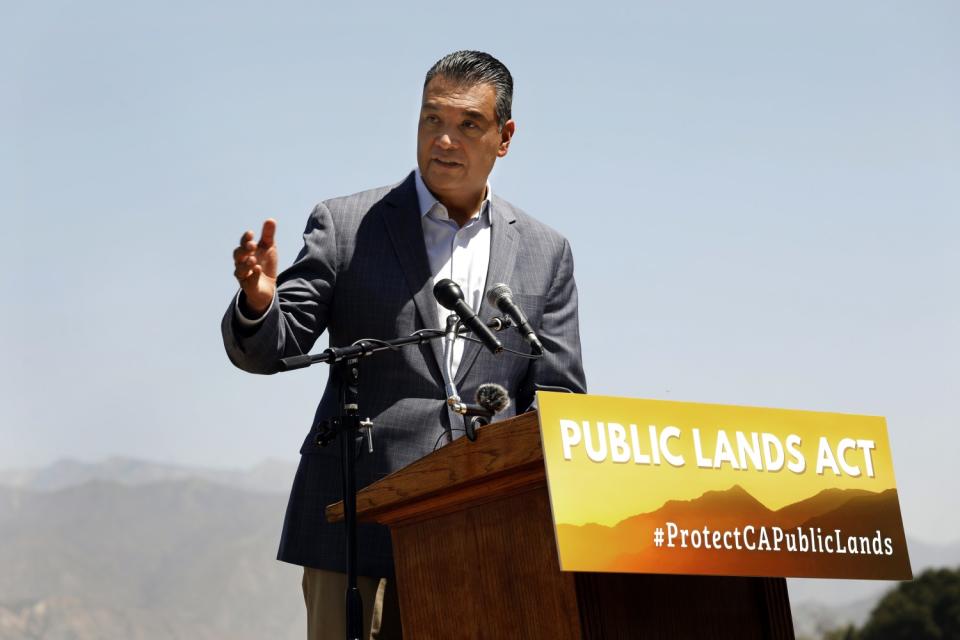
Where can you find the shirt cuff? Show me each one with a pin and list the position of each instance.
(246, 321)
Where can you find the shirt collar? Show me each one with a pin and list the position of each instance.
(426, 200)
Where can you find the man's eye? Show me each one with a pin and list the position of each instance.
(469, 125)
(431, 119)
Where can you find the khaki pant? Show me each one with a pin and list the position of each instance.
(323, 593)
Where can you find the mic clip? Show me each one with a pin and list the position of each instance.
(496, 324)
(366, 427)
(326, 430)
(474, 416)
(456, 405)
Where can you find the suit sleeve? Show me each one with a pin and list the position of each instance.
(559, 332)
(299, 315)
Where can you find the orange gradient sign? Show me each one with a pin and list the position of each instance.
(651, 486)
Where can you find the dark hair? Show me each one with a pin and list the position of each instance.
(473, 68)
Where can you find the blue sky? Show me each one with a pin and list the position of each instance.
(762, 202)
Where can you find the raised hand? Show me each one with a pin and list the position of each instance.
(256, 267)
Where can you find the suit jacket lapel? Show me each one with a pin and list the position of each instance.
(503, 255)
(406, 232)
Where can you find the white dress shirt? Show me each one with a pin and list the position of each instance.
(459, 253)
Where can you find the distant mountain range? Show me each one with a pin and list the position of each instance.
(271, 476)
(133, 550)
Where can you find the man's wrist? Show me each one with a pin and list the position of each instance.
(246, 316)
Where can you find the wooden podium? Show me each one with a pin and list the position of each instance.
(476, 557)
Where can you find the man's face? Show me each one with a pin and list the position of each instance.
(457, 138)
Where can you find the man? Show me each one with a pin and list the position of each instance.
(367, 270)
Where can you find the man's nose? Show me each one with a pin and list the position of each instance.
(444, 141)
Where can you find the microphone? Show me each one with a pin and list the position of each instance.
(492, 397)
(501, 297)
(448, 293)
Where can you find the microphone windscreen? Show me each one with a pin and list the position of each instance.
(497, 293)
(493, 397)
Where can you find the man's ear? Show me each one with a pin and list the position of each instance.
(506, 133)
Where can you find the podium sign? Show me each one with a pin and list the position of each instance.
(651, 486)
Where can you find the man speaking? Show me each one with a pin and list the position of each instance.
(367, 270)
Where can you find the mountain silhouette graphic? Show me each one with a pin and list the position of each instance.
(628, 545)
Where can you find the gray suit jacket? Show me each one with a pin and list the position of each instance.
(363, 273)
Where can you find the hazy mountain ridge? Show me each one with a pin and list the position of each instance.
(271, 475)
(148, 556)
(168, 558)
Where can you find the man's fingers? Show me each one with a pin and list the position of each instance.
(268, 232)
(246, 268)
(242, 272)
(243, 256)
(247, 247)
(245, 260)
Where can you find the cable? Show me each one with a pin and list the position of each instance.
(529, 356)
(436, 332)
(382, 343)
(393, 347)
(435, 444)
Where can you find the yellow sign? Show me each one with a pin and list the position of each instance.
(650, 486)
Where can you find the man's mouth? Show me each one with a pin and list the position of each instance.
(446, 163)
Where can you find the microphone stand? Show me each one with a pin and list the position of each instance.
(346, 367)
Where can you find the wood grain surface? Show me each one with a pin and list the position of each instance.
(500, 448)
(476, 557)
